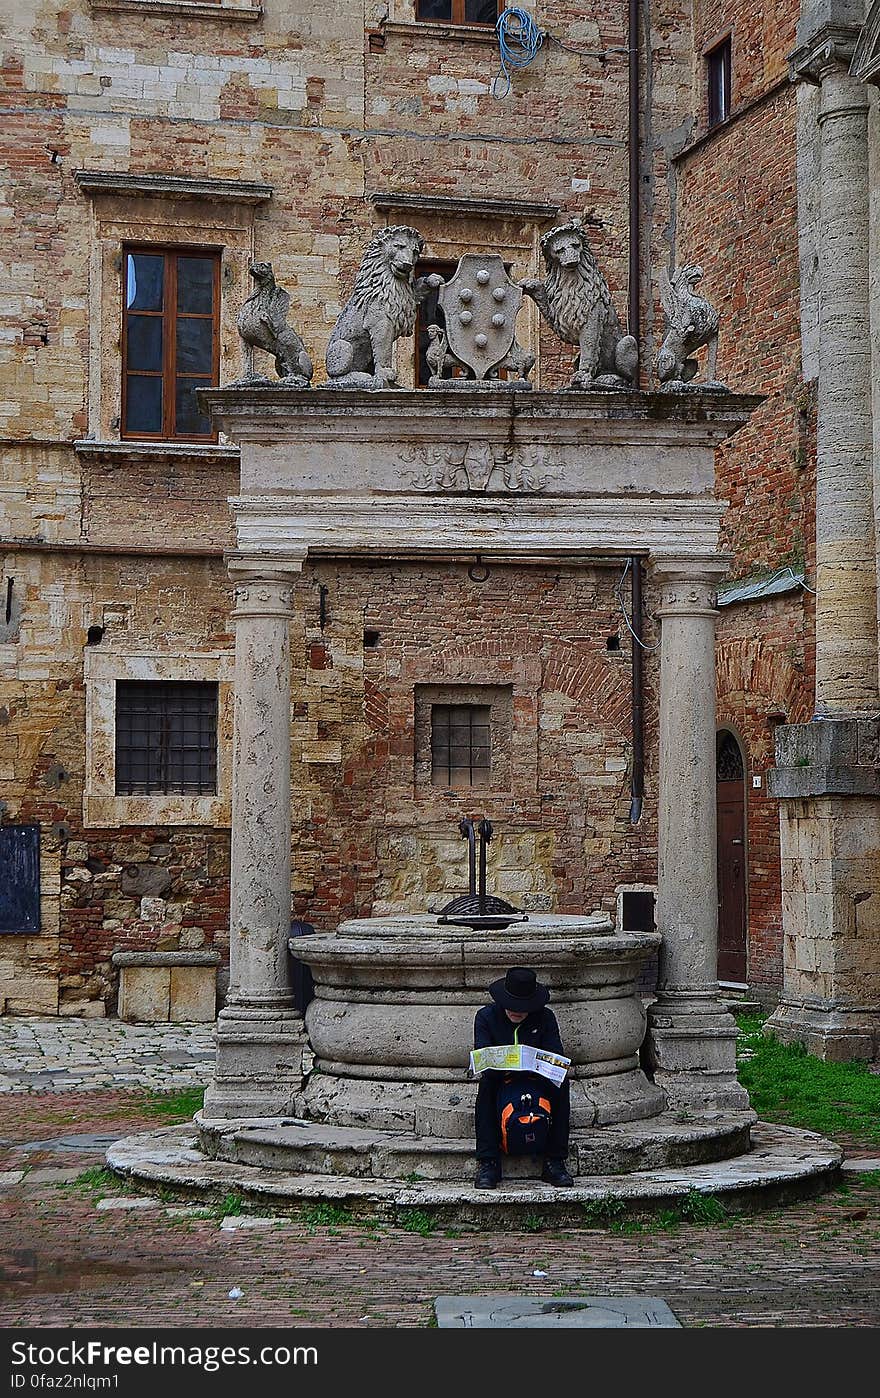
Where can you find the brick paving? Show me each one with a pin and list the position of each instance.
(65, 1262)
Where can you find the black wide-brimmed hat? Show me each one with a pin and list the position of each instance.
(520, 990)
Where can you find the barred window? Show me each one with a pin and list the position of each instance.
(166, 737)
(460, 745)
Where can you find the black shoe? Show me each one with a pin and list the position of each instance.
(488, 1175)
(554, 1172)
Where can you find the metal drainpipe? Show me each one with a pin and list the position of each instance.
(637, 782)
(635, 319)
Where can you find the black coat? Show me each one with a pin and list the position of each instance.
(539, 1029)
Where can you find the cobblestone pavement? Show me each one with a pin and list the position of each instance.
(76, 1252)
(69, 1054)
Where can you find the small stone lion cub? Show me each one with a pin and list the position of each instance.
(574, 299)
(381, 309)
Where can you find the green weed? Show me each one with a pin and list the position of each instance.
(174, 1106)
(326, 1215)
(416, 1221)
(533, 1223)
(702, 1208)
(604, 1210)
(788, 1085)
(100, 1180)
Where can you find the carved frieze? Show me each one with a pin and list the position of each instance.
(480, 468)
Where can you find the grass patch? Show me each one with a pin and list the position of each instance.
(604, 1211)
(788, 1085)
(174, 1106)
(416, 1221)
(98, 1181)
(326, 1215)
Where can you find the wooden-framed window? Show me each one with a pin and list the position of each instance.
(166, 737)
(718, 77)
(459, 11)
(170, 341)
(461, 753)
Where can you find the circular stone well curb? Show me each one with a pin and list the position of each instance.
(783, 1165)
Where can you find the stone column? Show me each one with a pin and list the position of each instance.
(691, 1038)
(260, 1035)
(846, 602)
(827, 773)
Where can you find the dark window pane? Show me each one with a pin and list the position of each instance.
(153, 752)
(143, 404)
(480, 11)
(187, 418)
(195, 346)
(434, 9)
(195, 284)
(144, 281)
(718, 67)
(144, 342)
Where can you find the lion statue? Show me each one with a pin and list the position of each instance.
(381, 309)
(574, 299)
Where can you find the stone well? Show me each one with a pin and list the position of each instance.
(391, 1025)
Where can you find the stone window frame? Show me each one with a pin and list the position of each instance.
(498, 698)
(402, 20)
(465, 671)
(102, 808)
(168, 212)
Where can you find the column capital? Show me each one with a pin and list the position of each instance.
(263, 583)
(708, 569)
(689, 583)
(830, 49)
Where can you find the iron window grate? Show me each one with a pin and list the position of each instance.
(460, 745)
(166, 737)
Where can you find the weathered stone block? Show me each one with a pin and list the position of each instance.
(144, 993)
(193, 994)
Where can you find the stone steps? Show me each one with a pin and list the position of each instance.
(784, 1164)
(326, 1149)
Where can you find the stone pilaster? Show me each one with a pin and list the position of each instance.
(827, 774)
(691, 1038)
(260, 1035)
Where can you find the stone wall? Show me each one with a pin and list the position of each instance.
(339, 109)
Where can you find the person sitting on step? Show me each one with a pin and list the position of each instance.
(519, 1014)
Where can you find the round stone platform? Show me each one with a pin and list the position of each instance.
(297, 1146)
(783, 1164)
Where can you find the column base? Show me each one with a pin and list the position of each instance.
(259, 1068)
(691, 1045)
(832, 1032)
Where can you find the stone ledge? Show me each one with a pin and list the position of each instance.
(436, 29)
(465, 208)
(173, 186)
(190, 451)
(183, 9)
(165, 958)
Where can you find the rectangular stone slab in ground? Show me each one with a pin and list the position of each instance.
(553, 1312)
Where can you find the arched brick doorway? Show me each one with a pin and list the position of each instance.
(730, 787)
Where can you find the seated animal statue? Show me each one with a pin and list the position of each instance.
(262, 324)
(381, 309)
(690, 323)
(575, 300)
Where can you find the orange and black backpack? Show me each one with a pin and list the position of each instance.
(525, 1118)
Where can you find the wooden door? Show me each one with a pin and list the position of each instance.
(732, 867)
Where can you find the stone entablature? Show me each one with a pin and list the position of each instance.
(508, 474)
